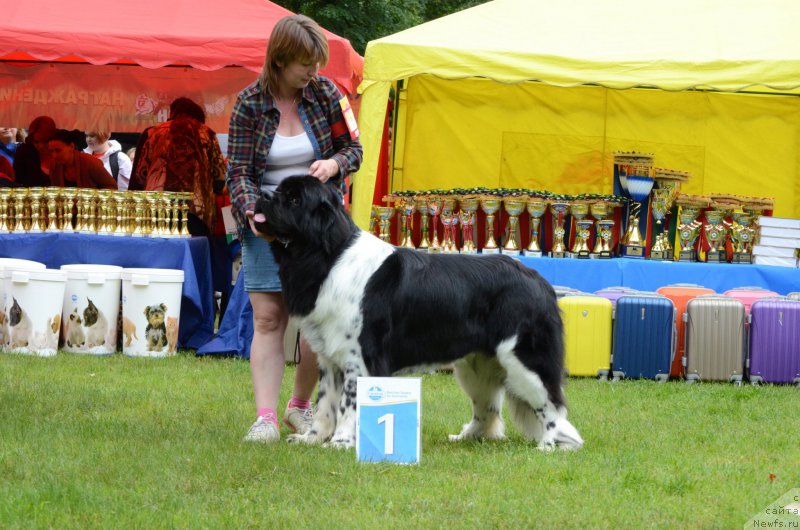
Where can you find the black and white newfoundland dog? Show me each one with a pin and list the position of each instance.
(370, 309)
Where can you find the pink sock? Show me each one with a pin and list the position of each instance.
(268, 414)
(297, 403)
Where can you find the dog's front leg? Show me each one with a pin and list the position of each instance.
(345, 435)
(324, 422)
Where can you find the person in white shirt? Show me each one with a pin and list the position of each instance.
(109, 152)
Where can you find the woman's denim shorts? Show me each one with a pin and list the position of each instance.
(258, 265)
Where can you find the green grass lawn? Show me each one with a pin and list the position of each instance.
(119, 442)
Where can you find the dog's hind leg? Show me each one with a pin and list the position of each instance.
(481, 378)
(328, 396)
(538, 414)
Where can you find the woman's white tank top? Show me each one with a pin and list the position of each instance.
(288, 156)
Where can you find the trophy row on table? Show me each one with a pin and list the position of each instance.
(730, 217)
(91, 211)
(457, 211)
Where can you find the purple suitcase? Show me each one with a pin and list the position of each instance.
(613, 293)
(775, 341)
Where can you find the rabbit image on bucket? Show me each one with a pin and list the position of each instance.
(151, 304)
(91, 306)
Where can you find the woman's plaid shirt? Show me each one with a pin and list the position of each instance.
(254, 123)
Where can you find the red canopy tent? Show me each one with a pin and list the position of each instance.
(83, 66)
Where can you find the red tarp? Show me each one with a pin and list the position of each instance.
(206, 35)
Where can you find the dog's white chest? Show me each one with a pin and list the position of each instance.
(333, 327)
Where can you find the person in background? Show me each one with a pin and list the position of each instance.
(8, 143)
(74, 169)
(32, 160)
(288, 122)
(183, 154)
(109, 152)
(6, 173)
(131, 153)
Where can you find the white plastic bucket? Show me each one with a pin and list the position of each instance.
(34, 310)
(90, 309)
(151, 308)
(6, 264)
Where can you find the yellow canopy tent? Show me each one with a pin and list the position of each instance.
(539, 94)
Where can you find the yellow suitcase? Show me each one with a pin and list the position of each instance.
(587, 334)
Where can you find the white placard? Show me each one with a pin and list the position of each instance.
(388, 411)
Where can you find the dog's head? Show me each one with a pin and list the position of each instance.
(90, 314)
(155, 315)
(304, 213)
(55, 323)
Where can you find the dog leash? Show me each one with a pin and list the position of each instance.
(297, 348)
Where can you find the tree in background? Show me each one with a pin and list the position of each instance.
(361, 21)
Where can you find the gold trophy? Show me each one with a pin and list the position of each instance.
(604, 228)
(36, 195)
(435, 208)
(661, 204)
(636, 177)
(559, 209)
(188, 197)
(583, 227)
(450, 221)
(742, 235)
(21, 210)
(373, 219)
(536, 208)
(716, 230)
(68, 224)
(688, 225)
(52, 194)
(121, 210)
(469, 208)
(490, 204)
(514, 206)
(406, 206)
(5, 205)
(385, 214)
(422, 207)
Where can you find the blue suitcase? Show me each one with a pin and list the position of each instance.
(644, 337)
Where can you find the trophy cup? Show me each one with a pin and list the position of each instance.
(406, 206)
(514, 206)
(68, 223)
(635, 172)
(21, 210)
(742, 235)
(661, 204)
(434, 203)
(121, 210)
(36, 195)
(583, 227)
(490, 204)
(422, 207)
(469, 207)
(716, 230)
(536, 208)
(385, 214)
(5, 205)
(559, 209)
(604, 228)
(51, 194)
(449, 220)
(688, 225)
(373, 219)
(187, 198)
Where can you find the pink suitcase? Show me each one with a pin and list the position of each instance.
(748, 295)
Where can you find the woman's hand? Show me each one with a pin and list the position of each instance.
(252, 217)
(324, 169)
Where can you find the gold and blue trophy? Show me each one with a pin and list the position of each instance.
(636, 177)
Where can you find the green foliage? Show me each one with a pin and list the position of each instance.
(116, 442)
(361, 21)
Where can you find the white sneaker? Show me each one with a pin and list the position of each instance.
(298, 420)
(263, 431)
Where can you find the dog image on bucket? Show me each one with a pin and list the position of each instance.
(156, 330)
(129, 330)
(172, 334)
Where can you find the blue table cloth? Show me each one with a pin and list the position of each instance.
(236, 328)
(191, 255)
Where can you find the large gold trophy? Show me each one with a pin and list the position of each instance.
(559, 209)
(636, 177)
(668, 185)
(602, 210)
(717, 227)
(422, 207)
(690, 207)
(536, 207)
(744, 229)
(583, 229)
(514, 206)
(450, 222)
(469, 207)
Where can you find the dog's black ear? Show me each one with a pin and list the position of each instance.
(147, 311)
(163, 307)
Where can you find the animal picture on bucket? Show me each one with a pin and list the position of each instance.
(18, 331)
(156, 330)
(88, 330)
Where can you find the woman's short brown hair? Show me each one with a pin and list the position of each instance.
(294, 38)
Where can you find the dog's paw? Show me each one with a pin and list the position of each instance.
(309, 438)
(341, 443)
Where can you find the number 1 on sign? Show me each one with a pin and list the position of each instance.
(388, 439)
